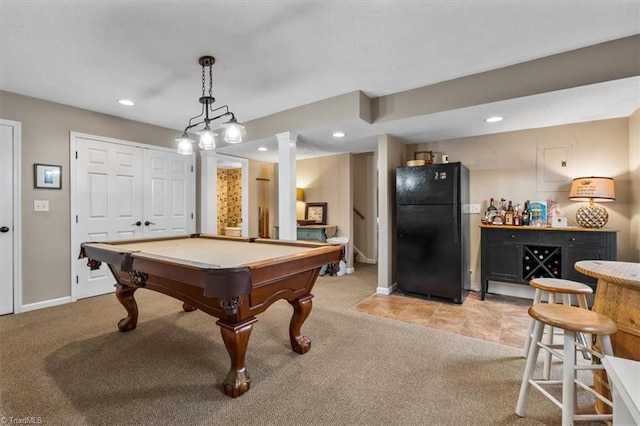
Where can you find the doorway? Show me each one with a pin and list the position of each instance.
(10, 228)
(210, 165)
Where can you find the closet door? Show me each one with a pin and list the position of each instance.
(108, 205)
(126, 191)
(168, 194)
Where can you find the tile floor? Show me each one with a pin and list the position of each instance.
(499, 319)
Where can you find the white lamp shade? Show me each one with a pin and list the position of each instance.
(234, 131)
(185, 145)
(592, 188)
(207, 139)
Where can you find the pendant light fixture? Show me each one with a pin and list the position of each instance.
(234, 132)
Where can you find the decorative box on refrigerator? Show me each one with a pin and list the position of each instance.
(433, 230)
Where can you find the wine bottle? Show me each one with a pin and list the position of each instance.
(492, 207)
(526, 215)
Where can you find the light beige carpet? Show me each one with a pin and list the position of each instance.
(69, 365)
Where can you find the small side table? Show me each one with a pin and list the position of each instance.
(624, 376)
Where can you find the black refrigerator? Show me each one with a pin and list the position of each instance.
(432, 228)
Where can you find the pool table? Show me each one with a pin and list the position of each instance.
(230, 278)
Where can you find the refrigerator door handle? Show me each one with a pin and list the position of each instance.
(456, 226)
(455, 187)
(456, 234)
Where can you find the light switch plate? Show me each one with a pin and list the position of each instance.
(470, 208)
(40, 205)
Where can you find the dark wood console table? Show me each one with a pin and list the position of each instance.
(516, 254)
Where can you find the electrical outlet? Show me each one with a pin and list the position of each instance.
(474, 208)
(40, 205)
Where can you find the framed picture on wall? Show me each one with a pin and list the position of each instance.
(316, 212)
(47, 176)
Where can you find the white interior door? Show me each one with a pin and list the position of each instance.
(168, 193)
(125, 191)
(7, 225)
(108, 205)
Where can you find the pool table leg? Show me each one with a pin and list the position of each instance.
(301, 310)
(125, 296)
(188, 308)
(236, 339)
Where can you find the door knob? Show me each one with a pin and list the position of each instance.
(138, 223)
(147, 223)
(4, 229)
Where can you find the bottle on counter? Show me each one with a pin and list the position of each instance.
(492, 208)
(508, 214)
(516, 216)
(526, 215)
(498, 214)
(502, 210)
(487, 219)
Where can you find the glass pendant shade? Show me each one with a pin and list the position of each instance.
(207, 139)
(234, 131)
(185, 145)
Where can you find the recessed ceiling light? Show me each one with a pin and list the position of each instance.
(126, 102)
(494, 119)
(262, 148)
(338, 135)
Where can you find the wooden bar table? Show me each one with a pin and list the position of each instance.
(618, 297)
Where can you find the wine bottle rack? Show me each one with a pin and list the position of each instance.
(541, 262)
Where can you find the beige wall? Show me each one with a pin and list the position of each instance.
(46, 238)
(328, 179)
(364, 201)
(504, 165)
(634, 170)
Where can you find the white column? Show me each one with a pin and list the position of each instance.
(208, 190)
(287, 185)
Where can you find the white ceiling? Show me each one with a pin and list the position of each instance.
(276, 55)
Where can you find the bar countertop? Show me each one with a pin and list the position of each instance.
(623, 273)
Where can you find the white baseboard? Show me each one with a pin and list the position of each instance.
(351, 270)
(45, 304)
(361, 258)
(387, 290)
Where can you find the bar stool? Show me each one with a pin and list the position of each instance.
(553, 287)
(571, 320)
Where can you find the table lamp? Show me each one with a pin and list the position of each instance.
(592, 189)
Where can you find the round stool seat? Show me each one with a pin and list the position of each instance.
(558, 285)
(572, 318)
